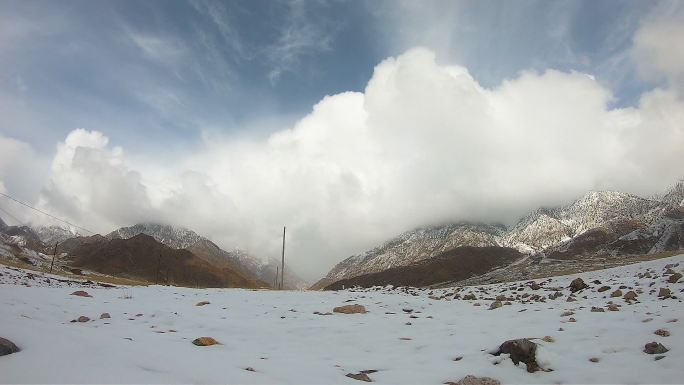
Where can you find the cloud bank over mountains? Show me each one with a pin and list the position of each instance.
(424, 143)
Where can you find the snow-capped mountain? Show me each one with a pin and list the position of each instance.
(416, 245)
(675, 195)
(609, 215)
(53, 234)
(182, 238)
(174, 237)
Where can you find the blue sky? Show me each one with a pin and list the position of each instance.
(164, 71)
(347, 121)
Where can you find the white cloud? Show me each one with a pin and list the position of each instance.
(659, 44)
(423, 143)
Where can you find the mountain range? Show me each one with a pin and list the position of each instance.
(598, 223)
(128, 255)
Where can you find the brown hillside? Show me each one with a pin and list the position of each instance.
(455, 264)
(142, 257)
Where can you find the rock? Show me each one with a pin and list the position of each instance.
(472, 380)
(548, 339)
(594, 359)
(567, 313)
(571, 319)
(603, 288)
(595, 309)
(578, 284)
(350, 309)
(616, 293)
(613, 307)
(664, 292)
(495, 305)
(83, 319)
(202, 303)
(7, 347)
(535, 286)
(570, 299)
(674, 278)
(205, 341)
(662, 333)
(655, 348)
(81, 293)
(359, 376)
(630, 296)
(105, 315)
(469, 297)
(521, 350)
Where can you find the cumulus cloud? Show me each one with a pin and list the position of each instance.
(424, 143)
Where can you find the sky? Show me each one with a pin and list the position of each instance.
(347, 121)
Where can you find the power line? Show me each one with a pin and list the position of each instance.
(44, 213)
(11, 216)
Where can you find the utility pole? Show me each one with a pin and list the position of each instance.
(54, 254)
(282, 263)
(156, 278)
(275, 283)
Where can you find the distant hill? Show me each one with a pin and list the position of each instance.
(143, 257)
(237, 259)
(453, 265)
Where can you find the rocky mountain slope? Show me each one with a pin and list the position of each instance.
(52, 234)
(240, 260)
(599, 222)
(143, 257)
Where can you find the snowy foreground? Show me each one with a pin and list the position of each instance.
(275, 337)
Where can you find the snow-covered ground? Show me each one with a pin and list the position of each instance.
(278, 336)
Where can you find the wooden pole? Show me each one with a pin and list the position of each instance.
(282, 263)
(275, 283)
(54, 254)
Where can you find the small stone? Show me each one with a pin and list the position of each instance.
(595, 309)
(7, 347)
(613, 307)
(205, 341)
(359, 377)
(571, 319)
(495, 305)
(603, 288)
(472, 380)
(655, 348)
(350, 309)
(662, 332)
(664, 292)
(83, 319)
(616, 293)
(250, 369)
(674, 278)
(105, 315)
(81, 293)
(548, 339)
(630, 296)
(202, 303)
(594, 359)
(567, 313)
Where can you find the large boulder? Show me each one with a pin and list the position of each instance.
(7, 347)
(577, 284)
(521, 350)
